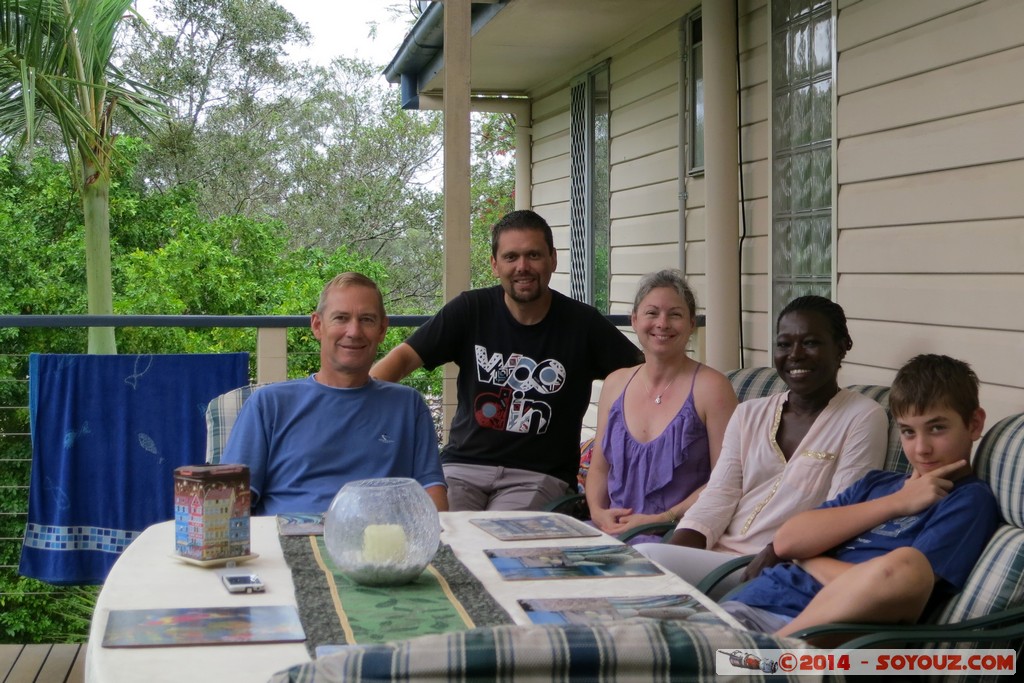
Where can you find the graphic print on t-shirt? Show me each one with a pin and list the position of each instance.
(893, 528)
(506, 407)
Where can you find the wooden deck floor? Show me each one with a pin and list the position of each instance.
(42, 663)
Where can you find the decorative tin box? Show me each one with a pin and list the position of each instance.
(211, 511)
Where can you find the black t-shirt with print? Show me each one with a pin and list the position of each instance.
(522, 389)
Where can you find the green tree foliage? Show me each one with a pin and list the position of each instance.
(267, 180)
(57, 63)
(168, 260)
(492, 189)
(325, 150)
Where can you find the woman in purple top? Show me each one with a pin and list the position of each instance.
(660, 424)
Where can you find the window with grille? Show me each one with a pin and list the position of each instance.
(801, 78)
(695, 93)
(590, 253)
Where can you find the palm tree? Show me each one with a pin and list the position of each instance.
(56, 63)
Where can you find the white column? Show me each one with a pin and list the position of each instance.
(524, 156)
(721, 174)
(456, 165)
(271, 354)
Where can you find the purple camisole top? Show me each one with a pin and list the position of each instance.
(652, 477)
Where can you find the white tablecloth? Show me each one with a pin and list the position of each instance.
(148, 575)
(468, 541)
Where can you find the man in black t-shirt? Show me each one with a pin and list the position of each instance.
(527, 358)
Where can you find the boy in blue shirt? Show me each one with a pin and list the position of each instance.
(882, 549)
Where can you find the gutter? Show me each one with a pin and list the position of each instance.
(423, 47)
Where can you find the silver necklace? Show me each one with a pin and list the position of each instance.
(657, 397)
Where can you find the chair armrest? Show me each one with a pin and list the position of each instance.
(660, 528)
(1012, 633)
(1007, 624)
(573, 504)
(722, 571)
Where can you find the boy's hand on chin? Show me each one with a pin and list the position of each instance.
(922, 490)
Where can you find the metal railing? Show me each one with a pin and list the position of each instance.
(271, 356)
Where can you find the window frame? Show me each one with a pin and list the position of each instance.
(694, 92)
(590, 195)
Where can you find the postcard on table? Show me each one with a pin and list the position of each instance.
(595, 561)
(300, 524)
(593, 609)
(203, 626)
(531, 528)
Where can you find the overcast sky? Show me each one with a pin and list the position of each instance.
(341, 27)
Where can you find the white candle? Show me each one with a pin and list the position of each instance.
(384, 543)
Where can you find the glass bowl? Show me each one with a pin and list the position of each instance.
(382, 532)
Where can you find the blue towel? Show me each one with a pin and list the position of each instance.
(107, 433)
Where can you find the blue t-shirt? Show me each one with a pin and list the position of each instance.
(951, 533)
(303, 441)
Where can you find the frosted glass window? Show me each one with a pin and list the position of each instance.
(801, 149)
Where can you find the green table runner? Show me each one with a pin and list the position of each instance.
(335, 611)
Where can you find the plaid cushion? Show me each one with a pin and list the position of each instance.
(221, 414)
(895, 460)
(641, 650)
(1000, 462)
(755, 382)
(997, 581)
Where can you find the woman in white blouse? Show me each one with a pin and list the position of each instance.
(782, 454)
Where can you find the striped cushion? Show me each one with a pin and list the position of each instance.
(221, 414)
(895, 460)
(751, 383)
(641, 650)
(997, 581)
(1000, 462)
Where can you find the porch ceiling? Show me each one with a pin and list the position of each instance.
(520, 45)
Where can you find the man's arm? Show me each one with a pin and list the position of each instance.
(397, 365)
(247, 445)
(438, 494)
(814, 532)
(426, 464)
(609, 348)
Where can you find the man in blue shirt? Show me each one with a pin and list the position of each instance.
(304, 439)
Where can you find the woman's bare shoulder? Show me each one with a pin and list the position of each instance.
(713, 382)
(620, 377)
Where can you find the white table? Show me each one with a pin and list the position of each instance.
(468, 541)
(148, 576)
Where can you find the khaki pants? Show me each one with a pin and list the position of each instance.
(483, 487)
